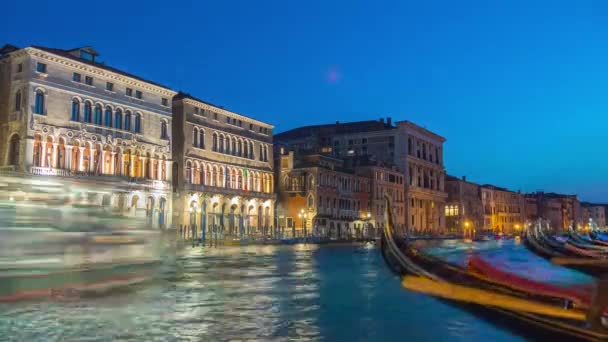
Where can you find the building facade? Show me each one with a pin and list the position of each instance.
(562, 211)
(385, 182)
(318, 197)
(504, 210)
(417, 154)
(223, 170)
(65, 115)
(464, 210)
(595, 212)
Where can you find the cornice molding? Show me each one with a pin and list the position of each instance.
(97, 71)
(226, 112)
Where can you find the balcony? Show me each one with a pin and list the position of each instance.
(228, 191)
(92, 176)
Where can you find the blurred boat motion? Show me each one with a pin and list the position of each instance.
(54, 242)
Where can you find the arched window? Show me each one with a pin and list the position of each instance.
(261, 153)
(163, 130)
(107, 118)
(265, 153)
(39, 104)
(246, 149)
(227, 146)
(87, 112)
(311, 202)
(251, 155)
(201, 138)
(215, 142)
(195, 137)
(118, 119)
(137, 123)
(97, 119)
(75, 110)
(13, 151)
(188, 172)
(233, 147)
(18, 100)
(221, 147)
(127, 120)
(37, 151)
(240, 148)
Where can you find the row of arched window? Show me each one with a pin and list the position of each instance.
(115, 119)
(230, 145)
(228, 177)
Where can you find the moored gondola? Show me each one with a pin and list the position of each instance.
(530, 314)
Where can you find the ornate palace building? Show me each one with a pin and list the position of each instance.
(223, 170)
(65, 115)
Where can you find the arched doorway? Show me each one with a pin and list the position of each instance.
(37, 151)
(13, 150)
(232, 220)
(134, 201)
(75, 166)
(60, 154)
(150, 209)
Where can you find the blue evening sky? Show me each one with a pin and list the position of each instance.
(519, 88)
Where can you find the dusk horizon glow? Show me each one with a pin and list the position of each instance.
(518, 90)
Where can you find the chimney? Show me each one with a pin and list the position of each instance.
(464, 178)
(389, 120)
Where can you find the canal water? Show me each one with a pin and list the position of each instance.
(275, 293)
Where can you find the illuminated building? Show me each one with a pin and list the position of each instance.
(65, 115)
(415, 150)
(503, 209)
(319, 197)
(562, 211)
(223, 167)
(463, 208)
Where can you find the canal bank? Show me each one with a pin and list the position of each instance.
(272, 293)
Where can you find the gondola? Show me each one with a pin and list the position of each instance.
(564, 254)
(529, 314)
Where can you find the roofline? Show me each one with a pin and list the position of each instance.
(421, 129)
(180, 96)
(104, 68)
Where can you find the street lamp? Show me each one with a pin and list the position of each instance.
(302, 216)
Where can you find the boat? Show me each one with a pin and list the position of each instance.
(532, 314)
(52, 247)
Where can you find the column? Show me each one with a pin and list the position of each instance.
(142, 166)
(102, 169)
(92, 160)
(112, 163)
(43, 161)
(169, 170)
(80, 157)
(159, 170)
(68, 157)
(54, 155)
(132, 167)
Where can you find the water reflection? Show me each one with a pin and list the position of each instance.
(272, 293)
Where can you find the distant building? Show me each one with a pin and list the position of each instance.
(318, 196)
(503, 209)
(562, 211)
(415, 151)
(463, 208)
(65, 115)
(223, 169)
(595, 212)
(385, 182)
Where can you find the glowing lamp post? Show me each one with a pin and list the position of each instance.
(302, 216)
